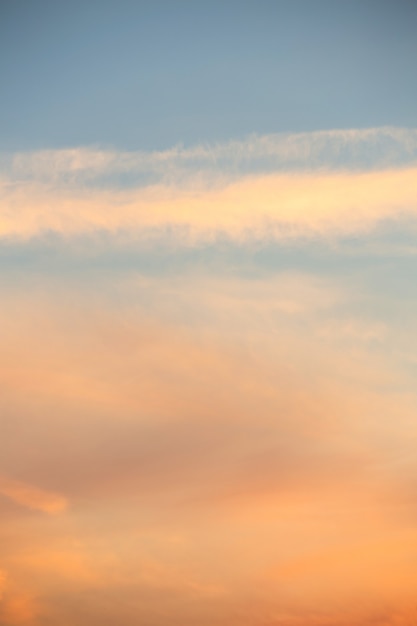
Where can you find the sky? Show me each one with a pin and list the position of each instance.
(208, 304)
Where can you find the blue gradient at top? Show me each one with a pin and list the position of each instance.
(148, 75)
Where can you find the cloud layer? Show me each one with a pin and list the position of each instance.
(210, 442)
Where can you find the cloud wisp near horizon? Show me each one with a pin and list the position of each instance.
(208, 401)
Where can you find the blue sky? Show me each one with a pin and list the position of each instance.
(149, 75)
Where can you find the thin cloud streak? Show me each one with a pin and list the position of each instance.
(274, 207)
(326, 184)
(336, 149)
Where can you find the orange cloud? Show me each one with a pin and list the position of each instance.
(3, 581)
(19, 608)
(144, 402)
(244, 416)
(276, 206)
(32, 497)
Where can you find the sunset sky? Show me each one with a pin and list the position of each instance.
(208, 313)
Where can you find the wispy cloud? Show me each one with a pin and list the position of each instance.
(273, 207)
(31, 496)
(270, 188)
(355, 149)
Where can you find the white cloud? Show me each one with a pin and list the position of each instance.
(354, 148)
